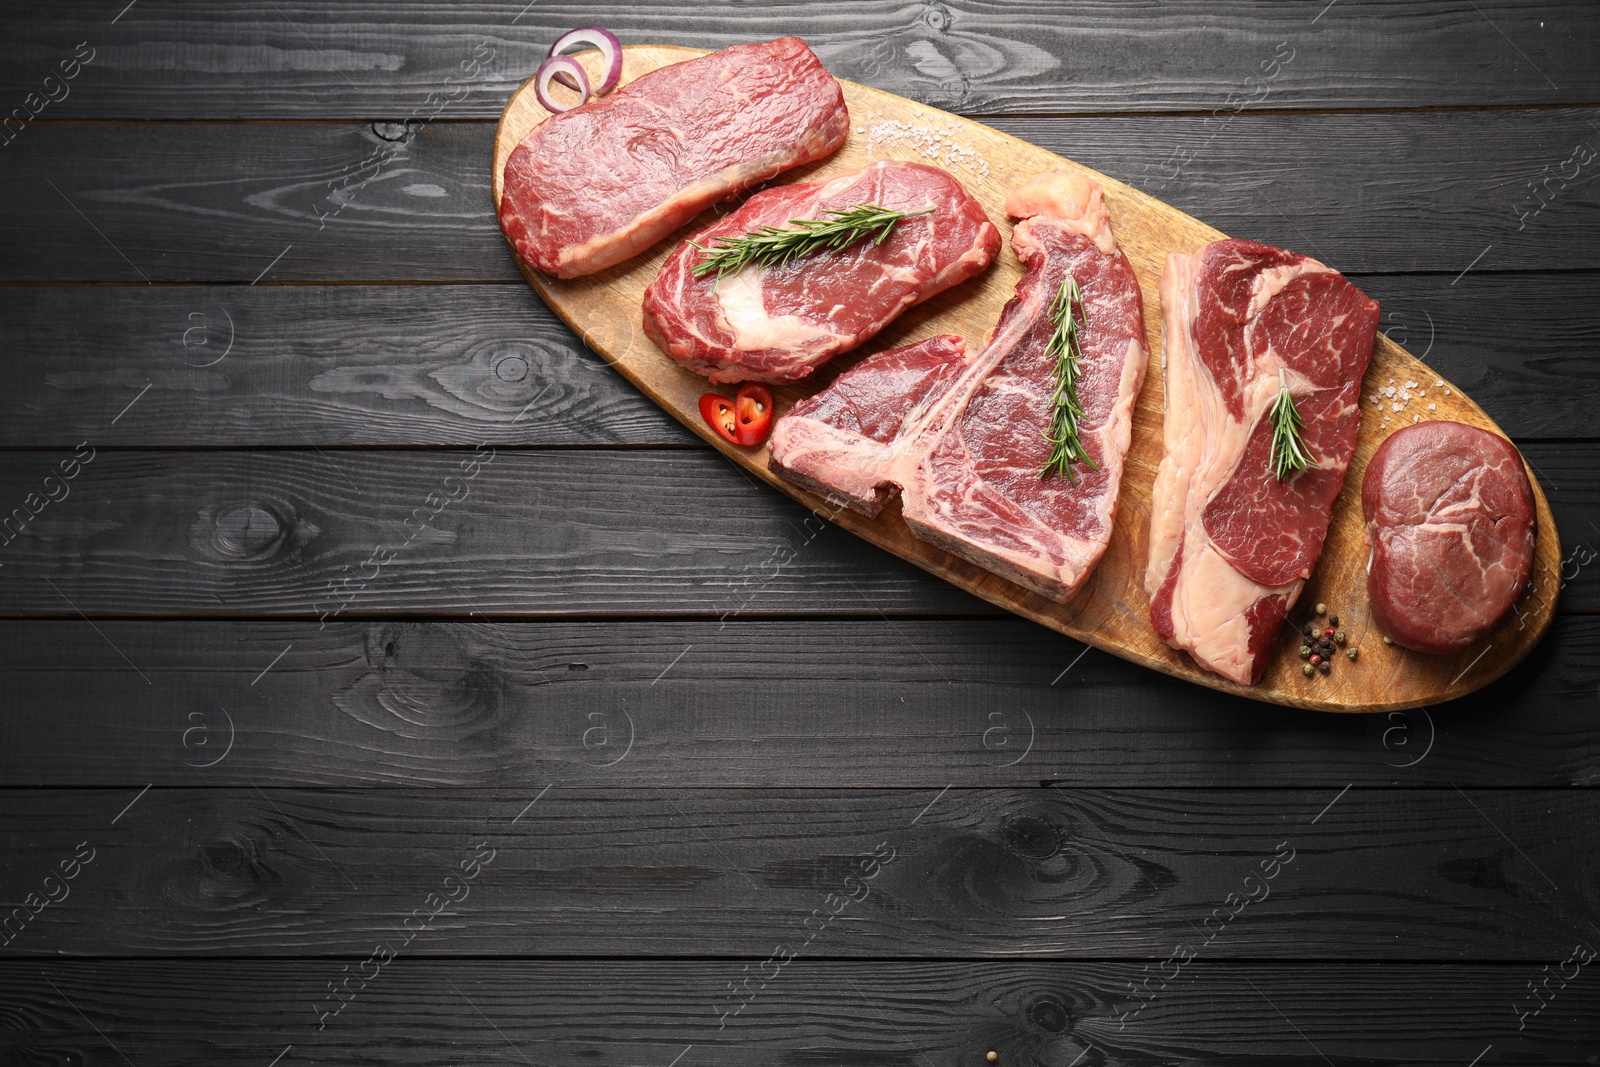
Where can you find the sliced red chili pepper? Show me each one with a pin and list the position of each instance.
(719, 414)
(753, 411)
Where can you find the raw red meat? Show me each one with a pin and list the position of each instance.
(1231, 545)
(843, 442)
(596, 185)
(1451, 523)
(964, 440)
(780, 323)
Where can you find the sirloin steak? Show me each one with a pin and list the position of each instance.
(591, 187)
(964, 439)
(1451, 523)
(780, 323)
(1230, 545)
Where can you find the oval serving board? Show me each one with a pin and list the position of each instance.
(1111, 612)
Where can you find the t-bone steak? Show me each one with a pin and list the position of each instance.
(780, 323)
(964, 438)
(591, 187)
(1231, 545)
(1451, 523)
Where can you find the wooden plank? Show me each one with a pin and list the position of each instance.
(457, 365)
(315, 534)
(581, 871)
(1110, 610)
(442, 1013)
(200, 202)
(747, 703)
(295, 58)
(298, 365)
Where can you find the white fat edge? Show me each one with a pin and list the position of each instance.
(743, 308)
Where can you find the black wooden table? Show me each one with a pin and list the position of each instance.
(386, 681)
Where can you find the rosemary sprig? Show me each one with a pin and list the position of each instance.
(1065, 349)
(773, 245)
(1288, 452)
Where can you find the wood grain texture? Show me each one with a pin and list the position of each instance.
(452, 365)
(818, 1013)
(580, 871)
(384, 201)
(299, 366)
(838, 703)
(300, 59)
(1111, 609)
(313, 533)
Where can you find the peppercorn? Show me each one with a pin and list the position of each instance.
(1352, 652)
(1324, 666)
(1328, 632)
(1339, 637)
(1307, 669)
(1322, 609)
(1334, 619)
(1315, 659)
(1305, 651)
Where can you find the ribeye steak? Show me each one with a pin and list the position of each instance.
(780, 323)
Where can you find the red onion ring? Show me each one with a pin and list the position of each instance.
(552, 68)
(610, 54)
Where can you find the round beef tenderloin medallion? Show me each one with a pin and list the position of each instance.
(1450, 519)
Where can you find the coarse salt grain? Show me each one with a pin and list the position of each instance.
(1433, 407)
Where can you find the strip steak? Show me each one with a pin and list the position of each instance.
(1230, 545)
(780, 323)
(1451, 523)
(591, 187)
(964, 439)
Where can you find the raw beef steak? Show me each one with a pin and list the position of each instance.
(596, 185)
(965, 440)
(841, 442)
(1450, 520)
(780, 323)
(1231, 545)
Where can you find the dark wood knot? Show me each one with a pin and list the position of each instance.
(1031, 836)
(1049, 1014)
(248, 530)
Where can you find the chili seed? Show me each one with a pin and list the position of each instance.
(1386, 640)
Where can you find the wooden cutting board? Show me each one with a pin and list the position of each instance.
(1112, 611)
